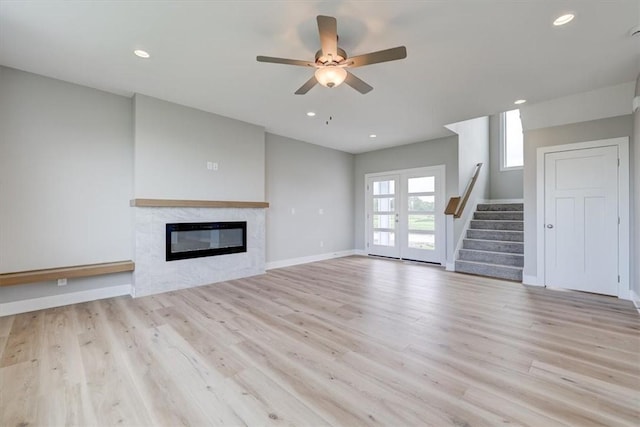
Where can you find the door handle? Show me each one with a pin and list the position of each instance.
(549, 225)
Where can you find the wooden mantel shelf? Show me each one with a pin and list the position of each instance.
(87, 270)
(164, 203)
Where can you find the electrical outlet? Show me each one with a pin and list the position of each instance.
(321, 244)
(209, 165)
(215, 166)
(62, 282)
(321, 211)
(293, 211)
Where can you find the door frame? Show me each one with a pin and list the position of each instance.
(441, 188)
(624, 196)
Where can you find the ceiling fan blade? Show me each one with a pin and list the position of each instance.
(392, 54)
(328, 29)
(284, 61)
(357, 84)
(307, 86)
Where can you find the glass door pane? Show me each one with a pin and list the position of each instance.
(405, 214)
(382, 216)
(423, 220)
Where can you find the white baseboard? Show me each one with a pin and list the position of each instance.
(531, 280)
(635, 298)
(40, 303)
(625, 294)
(308, 259)
(450, 266)
(360, 252)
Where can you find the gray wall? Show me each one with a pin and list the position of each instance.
(473, 148)
(635, 190)
(610, 101)
(578, 132)
(504, 184)
(442, 151)
(307, 178)
(65, 173)
(173, 144)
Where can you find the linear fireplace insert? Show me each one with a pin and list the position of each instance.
(201, 239)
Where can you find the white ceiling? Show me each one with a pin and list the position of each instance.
(465, 58)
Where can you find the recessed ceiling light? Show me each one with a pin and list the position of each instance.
(520, 101)
(311, 114)
(564, 19)
(373, 135)
(141, 53)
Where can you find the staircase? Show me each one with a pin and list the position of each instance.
(494, 243)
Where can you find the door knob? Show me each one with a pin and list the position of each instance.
(549, 225)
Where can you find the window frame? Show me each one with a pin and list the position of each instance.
(503, 144)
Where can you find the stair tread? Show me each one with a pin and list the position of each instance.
(490, 230)
(499, 220)
(511, 212)
(510, 267)
(491, 252)
(493, 241)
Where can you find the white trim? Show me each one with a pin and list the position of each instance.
(635, 298)
(539, 278)
(360, 252)
(312, 258)
(531, 280)
(623, 205)
(624, 294)
(40, 303)
(450, 263)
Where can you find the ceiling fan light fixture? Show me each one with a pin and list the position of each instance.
(331, 76)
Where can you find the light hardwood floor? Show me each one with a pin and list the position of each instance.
(352, 341)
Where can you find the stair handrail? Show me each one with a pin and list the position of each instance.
(457, 204)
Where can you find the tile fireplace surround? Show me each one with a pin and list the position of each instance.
(153, 274)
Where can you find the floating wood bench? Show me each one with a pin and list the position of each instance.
(32, 276)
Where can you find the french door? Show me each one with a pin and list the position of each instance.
(405, 214)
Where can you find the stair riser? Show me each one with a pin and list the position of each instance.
(488, 245)
(492, 258)
(490, 271)
(503, 216)
(501, 207)
(505, 236)
(497, 225)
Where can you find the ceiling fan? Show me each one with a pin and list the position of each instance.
(331, 61)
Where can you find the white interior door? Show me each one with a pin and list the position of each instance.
(405, 215)
(581, 219)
